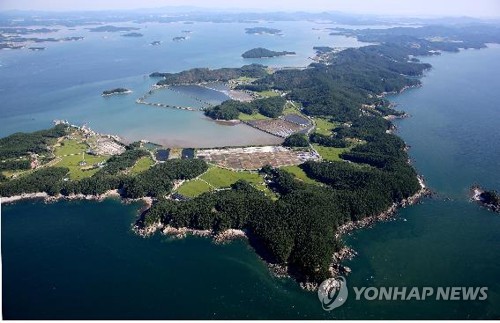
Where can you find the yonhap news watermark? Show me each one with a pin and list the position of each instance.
(334, 292)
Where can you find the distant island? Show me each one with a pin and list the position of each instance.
(111, 29)
(179, 38)
(264, 52)
(36, 48)
(263, 31)
(133, 34)
(119, 90)
(156, 43)
(489, 199)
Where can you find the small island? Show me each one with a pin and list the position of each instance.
(179, 38)
(36, 48)
(111, 29)
(133, 34)
(489, 199)
(263, 31)
(119, 90)
(264, 52)
(155, 43)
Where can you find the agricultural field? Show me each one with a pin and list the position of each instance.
(142, 164)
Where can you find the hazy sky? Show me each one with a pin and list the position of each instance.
(474, 8)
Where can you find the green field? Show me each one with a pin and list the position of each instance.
(193, 188)
(300, 174)
(324, 127)
(142, 164)
(75, 148)
(292, 108)
(220, 177)
(267, 94)
(250, 117)
(330, 153)
(71, 146)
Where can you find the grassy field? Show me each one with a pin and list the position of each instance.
(71, 146)
(300, 174)
(330, 153)
(193, 188)
(218, 178)
(250, 117)
(70, 155)
(267, 94)
(142, 164)
(324, 127)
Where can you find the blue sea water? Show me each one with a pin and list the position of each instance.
(65, 80)
(81, 259)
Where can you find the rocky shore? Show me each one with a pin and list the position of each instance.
(483, 198)
(148, 201)
(336, 268)
(183, 232)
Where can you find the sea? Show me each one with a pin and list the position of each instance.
(81, 260)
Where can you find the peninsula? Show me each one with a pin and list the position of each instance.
(263, 52)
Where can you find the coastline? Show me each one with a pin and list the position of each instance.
(346, 253)
(148, 201)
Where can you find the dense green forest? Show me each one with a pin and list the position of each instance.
(21, 144)
(229, 110)
(296, 140)
(200, 75)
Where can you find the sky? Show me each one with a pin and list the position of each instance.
(471, 8)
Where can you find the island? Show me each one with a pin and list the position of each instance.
(263, 31)
(36, 48)
(111, 29)
(179, 38)
(340, 166)
(155, 43)
(133, 34)
(488, 198)
(260, 52)
(119, 90)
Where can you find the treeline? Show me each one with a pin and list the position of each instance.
(327, 141)
(271, 107)
(20, 144)
(15, 164)
(154, 182)
(199, 75)
(47, 180)
(120, 163)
